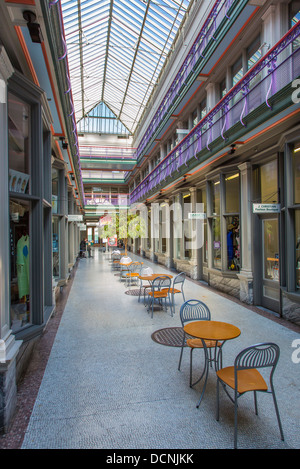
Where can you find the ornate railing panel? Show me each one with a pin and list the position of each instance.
(220, 12)
(271, 74)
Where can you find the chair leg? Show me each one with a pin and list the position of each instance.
(181, 352)
(235, 420)
(191, 367)
(255, 402)
(218, 400)
(277, 413)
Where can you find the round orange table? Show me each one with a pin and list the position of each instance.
(211, 330)
(151, 277)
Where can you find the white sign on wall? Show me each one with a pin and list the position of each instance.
(197, 216)
(75, 217)
(266, 208)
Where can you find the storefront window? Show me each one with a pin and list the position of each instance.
(216, 225)
(54, 190)
(232, 207)
(271, 250)
(55, 246)
(268, 182)
(19, 263)
(216, 231)
(96, 236)
(201, 199)
(233, 242)
(216, 197)
(177, 226)
(232, 193)
(19, 145)
(296, 173)
(297, 238)
(188, 227)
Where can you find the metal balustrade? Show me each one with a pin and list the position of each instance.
(260, 86)
(94, 151)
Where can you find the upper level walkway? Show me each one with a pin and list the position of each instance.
(109, 385)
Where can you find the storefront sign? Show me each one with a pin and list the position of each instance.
(197, 216)
(75, 217)
(266, 208)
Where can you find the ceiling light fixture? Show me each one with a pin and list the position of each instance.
(33, 28)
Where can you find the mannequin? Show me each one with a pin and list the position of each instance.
(23, 265)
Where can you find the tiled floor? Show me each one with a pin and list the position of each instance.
(107, 384)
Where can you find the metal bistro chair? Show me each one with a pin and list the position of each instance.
(124, 269)
(243, 377)
(115, 265)
(144, 272)
(160, 290)
(196, 310)
(134, 272)
(177, 287)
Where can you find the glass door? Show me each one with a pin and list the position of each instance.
(270, 267)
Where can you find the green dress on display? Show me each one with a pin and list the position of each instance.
(23, 266)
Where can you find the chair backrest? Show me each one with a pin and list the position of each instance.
(161, 281)
(261, 355)
(115, 256)
(135, 267)
(194, 310)
(146, 271)
(180, 278)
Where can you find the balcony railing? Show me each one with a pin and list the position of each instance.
(263, 85)
(93, 151)
(191, 67)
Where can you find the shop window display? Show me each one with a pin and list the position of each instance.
(20, 263)
(233, 243)
(55, 246)
(268, 182)
(55, 190)
(297, 250)
(232, 207)
(18, 148)
(188, 227)
(216, 225)
(296, 173)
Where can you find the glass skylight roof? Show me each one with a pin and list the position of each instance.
(116, 50)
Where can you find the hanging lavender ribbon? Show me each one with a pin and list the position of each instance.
(271, 70)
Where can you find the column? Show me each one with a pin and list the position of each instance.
(246, 273)
(166, 232)
(9, 347)
(194, 235)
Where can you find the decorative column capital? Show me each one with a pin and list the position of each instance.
(6, 68)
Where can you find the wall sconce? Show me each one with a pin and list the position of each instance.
(33, 28)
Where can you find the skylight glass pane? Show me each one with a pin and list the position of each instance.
(123, 48)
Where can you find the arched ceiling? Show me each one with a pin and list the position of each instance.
(116, 50)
